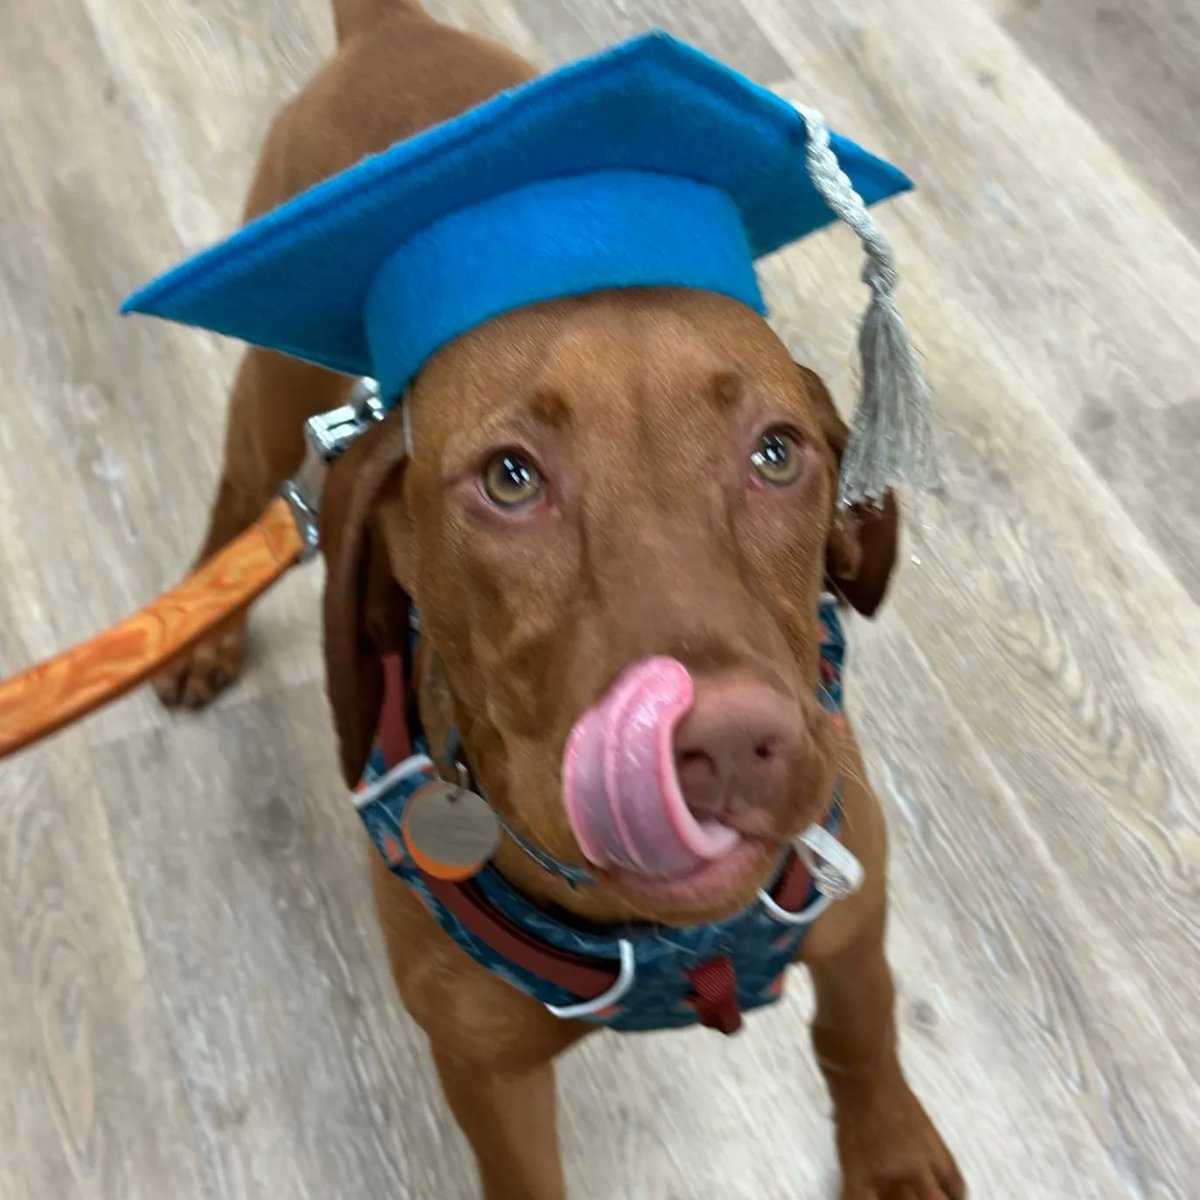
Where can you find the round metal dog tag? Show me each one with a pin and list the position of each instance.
(449, 832)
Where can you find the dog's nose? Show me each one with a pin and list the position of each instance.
(734, 745)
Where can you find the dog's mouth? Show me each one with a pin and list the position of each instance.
(636, 805)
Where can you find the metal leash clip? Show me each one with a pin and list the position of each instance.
(326, 437)
(835, 871)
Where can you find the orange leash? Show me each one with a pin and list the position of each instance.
(45, 697)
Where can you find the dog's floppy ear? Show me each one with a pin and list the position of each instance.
(365, 610)
(863, 541)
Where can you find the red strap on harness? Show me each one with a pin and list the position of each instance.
(714, 995)
(713, 982)
(586, 978)
(794, 884)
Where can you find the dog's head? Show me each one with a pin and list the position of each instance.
(616, 524)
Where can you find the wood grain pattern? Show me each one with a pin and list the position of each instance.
(90, 1106)
(1132, 71)
(721, 27)
(44, 697)
(193, 1001)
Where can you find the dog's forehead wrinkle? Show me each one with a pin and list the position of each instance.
(551, 407)
(727, 388)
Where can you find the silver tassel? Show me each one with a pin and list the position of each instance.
(891, 436)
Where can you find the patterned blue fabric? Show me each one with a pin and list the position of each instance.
(759, 947)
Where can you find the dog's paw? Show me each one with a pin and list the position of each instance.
(889, 1148)
(194, 678)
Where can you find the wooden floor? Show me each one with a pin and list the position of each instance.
(193, 1000)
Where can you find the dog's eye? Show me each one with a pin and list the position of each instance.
(511, 480)
(777, 459)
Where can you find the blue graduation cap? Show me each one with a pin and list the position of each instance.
(649, 164)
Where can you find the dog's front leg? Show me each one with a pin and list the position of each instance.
(887, 1145)
(494, 1047)
(509, 1119)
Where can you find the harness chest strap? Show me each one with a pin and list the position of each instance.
(588, 978)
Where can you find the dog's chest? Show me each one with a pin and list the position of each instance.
(632, 979)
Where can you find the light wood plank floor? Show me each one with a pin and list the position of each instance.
(193, 999)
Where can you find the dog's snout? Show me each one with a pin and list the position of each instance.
(735, 743)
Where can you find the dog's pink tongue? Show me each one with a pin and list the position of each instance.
(620, 786)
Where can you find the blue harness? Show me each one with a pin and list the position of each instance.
(640, 976)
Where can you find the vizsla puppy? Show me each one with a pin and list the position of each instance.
(588, 489)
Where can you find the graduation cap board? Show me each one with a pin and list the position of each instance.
(649, 164)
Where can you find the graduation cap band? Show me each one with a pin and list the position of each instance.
(549, 239)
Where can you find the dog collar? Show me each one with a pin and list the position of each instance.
(636, 977)
(570, 874)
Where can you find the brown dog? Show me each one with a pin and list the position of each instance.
(645, 534)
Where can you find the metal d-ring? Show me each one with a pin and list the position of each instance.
(806, 916)
(623, 983)
(835, 872)
(417, 764)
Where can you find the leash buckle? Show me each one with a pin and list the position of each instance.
(326, 437)
(835, 871)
